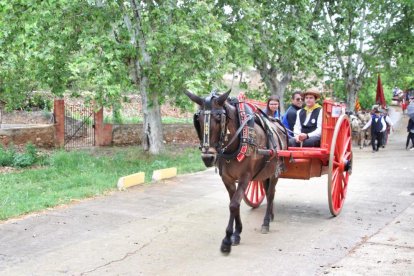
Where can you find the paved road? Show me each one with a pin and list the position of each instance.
(175, 227)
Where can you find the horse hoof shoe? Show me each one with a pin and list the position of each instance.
(265, 229)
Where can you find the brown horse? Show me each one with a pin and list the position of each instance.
(218, 127)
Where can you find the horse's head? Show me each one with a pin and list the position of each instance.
(210, 124)
(355, 123)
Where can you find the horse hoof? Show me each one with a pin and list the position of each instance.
(265, 229)
(225, 248)
(235, 240)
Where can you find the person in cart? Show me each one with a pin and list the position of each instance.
(289, 118)
(273, 107)
(308, 126)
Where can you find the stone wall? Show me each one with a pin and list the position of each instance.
(131, 134)
(42, 136)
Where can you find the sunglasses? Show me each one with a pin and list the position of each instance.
(298, 99)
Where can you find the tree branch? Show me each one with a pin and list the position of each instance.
(335, 43)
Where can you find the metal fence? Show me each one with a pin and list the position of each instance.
(79, 126)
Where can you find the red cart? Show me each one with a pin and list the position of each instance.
(334, 158)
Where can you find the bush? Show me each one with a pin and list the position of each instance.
(10, 157)
(37, 102)
(7, 156)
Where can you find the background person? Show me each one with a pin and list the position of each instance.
(378, 126)
(308, 125)
(289, 118)
(410, 130)
(389, 127)
(273, 107)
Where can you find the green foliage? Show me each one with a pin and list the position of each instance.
(278, 38)
(257, 95)
(37, 102)
(10, 157)
(89, 46)
(367, 38)
(7, 155)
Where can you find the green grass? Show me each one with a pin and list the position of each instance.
(81, 174)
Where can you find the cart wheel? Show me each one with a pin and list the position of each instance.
(340, 164)
(254, 194)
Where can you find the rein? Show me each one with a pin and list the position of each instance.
(248, 117)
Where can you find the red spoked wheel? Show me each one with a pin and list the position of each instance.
(340, 164)
(254, 194)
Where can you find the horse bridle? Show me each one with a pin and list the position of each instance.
(207, 112)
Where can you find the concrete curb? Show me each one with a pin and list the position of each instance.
(164, 173)
(131, 180)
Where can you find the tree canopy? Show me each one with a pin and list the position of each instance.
(103, 49)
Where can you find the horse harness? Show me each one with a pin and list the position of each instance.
(246, 130)
(207, 112)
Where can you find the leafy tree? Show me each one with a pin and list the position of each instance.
(354, 30)
(155, 48)
(277, 36)
(171, 41)
(396, 51)
(45, 44)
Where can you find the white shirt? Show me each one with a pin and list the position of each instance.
(297, 129)
(388, 120)
(368, 124)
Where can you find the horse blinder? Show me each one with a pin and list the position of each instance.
(204, 134)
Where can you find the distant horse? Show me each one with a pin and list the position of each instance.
(220, 129)
(356, 129)
(365, 135)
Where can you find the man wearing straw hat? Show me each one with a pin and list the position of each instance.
(308, 125)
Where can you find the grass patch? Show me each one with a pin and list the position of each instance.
(81, 174)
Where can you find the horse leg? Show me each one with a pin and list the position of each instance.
(235, 209)
(227, 241)
(270, 185)
(233, 236)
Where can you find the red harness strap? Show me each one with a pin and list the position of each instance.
(245, 132)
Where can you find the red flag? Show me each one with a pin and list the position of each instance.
(379, 98)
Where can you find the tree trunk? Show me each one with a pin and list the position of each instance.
(353, 85)
(153, 138)
(275, 85)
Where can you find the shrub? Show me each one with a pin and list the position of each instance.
(10, 157)
(7, 156)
